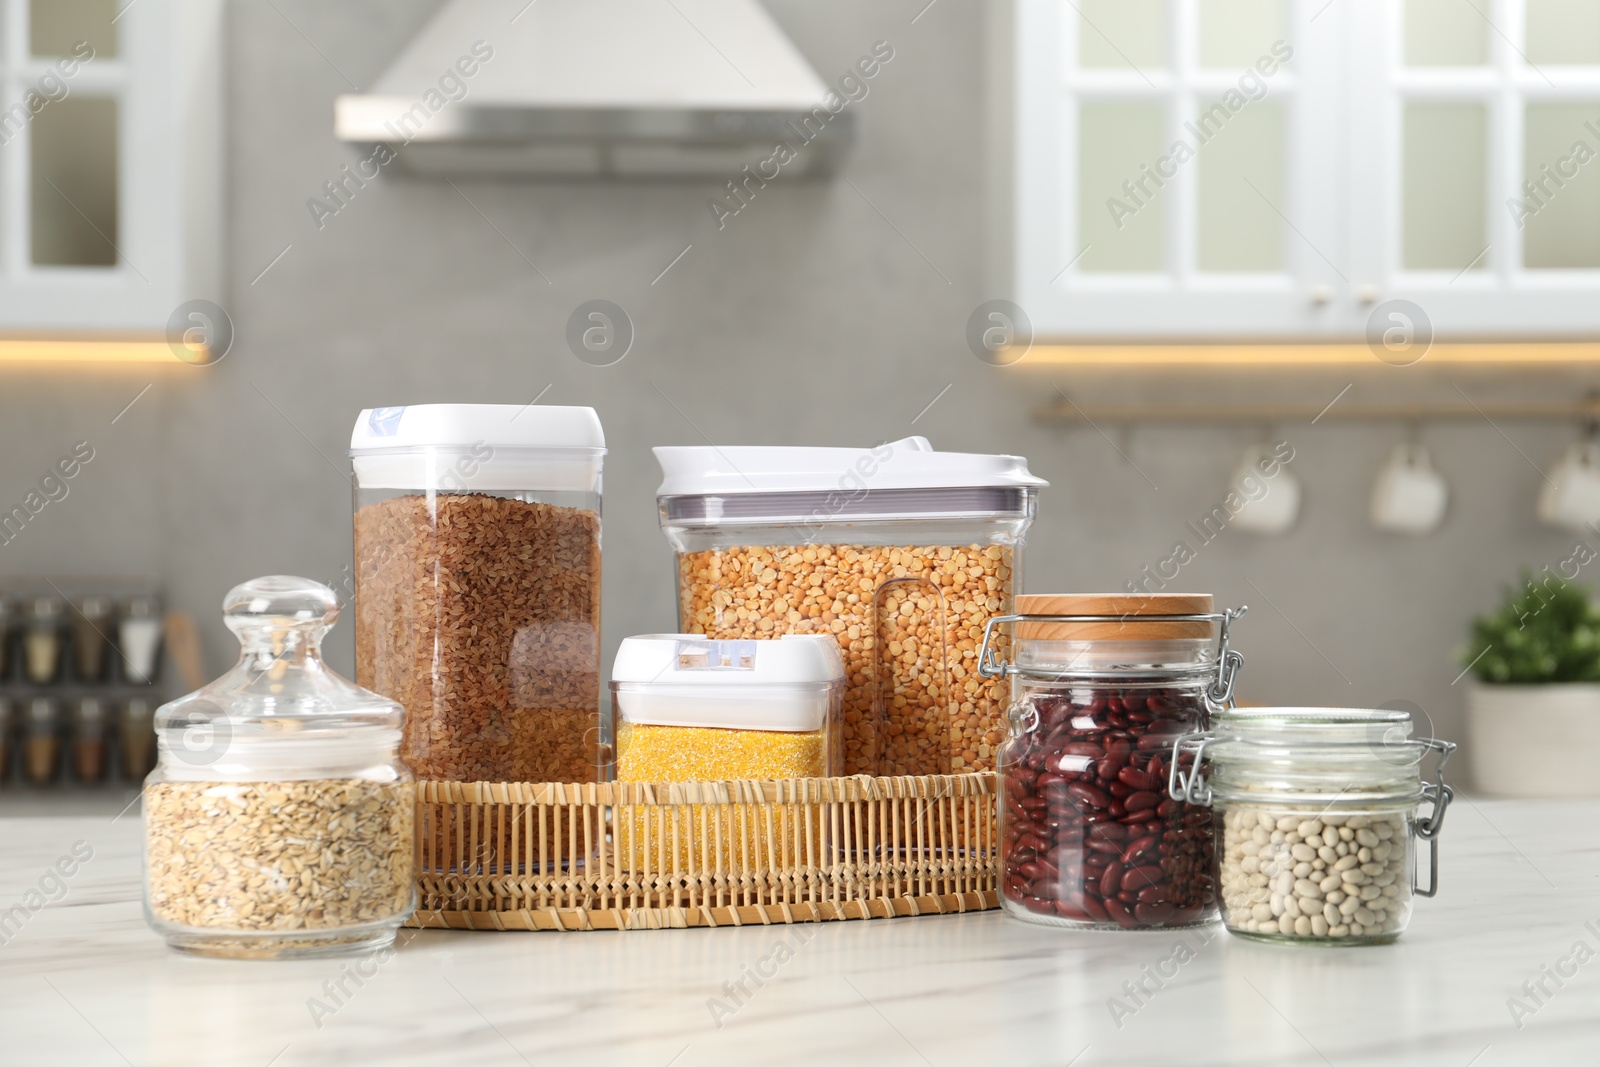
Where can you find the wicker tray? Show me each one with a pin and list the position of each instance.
(620, 856)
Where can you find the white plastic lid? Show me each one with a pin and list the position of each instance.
(466, 447)
(785, 684)
(909, 463)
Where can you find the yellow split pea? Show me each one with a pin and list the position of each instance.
(909, 620)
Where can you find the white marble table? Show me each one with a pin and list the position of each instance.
(83, 982)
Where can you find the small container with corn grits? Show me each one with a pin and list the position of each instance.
(693, 709)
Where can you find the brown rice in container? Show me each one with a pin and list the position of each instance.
(477, 550)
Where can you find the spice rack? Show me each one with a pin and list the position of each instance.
(80, 680)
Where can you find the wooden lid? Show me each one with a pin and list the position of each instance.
(1124, 611)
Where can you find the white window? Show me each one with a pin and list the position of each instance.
(1217, 169)
(109, 163)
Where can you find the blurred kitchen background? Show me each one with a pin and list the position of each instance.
(1372, 165)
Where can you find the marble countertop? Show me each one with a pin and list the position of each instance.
(84, 982)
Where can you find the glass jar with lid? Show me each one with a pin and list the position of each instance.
(1318, 811)
(279, 818)
(1102, 686)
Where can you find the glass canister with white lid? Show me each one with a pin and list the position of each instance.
(1319, 812)
(279, 820)
(1102, 684)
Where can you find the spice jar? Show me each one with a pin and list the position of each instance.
(91, 637)
(279, 819)
(477, 550)
(41, 742)
(900, 552)
(8, 727)
(41, 640)
(89, 724)
(139, 630)
(8, 616)
(1103, 685)
(1317, 809)
(137, 733)
(691, 709)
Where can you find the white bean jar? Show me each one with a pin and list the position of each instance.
(1317, 815)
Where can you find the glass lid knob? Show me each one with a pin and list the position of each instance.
(278, 601)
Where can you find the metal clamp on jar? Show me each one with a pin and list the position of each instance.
(1317, 809)
(1102, 686)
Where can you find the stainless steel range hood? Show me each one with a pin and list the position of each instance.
(627, 88)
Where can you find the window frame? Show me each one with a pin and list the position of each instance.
(166, 77)
(1343, 101)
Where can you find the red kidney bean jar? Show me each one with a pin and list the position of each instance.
(1102, 686)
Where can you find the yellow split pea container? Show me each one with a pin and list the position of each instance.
(690, 709)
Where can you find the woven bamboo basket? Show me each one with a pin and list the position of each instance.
(622, 855)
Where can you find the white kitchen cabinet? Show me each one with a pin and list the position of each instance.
(110, 163)
(1253, 169)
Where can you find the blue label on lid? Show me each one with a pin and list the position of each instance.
(385, 422)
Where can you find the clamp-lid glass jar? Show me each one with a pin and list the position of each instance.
(1102, 686)
(1317, 810)
(279, 818)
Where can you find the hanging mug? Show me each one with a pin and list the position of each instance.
(1410, 495)
(1570, 496)
(1278, 505)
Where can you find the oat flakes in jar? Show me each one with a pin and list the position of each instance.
(1103, 686)
(279, 819)
(900, 552)
(1320, 818)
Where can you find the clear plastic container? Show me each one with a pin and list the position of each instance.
(477, 550)
(1103, 685)
(900, 552)
(690, 709)
(279, 820)
(1317, 811)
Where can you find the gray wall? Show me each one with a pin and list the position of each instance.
(809, 319)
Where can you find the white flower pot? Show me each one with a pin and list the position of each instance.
(1534, 740)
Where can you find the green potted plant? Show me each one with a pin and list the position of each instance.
(1535, 663)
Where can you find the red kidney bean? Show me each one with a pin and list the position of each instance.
(1137, 878)
(1154, 913)
(1119, 911)
(1136, 779)
(1088, 834)
(1111, 881)
(1089, 794)
(1141, 800)
(1138, 848)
